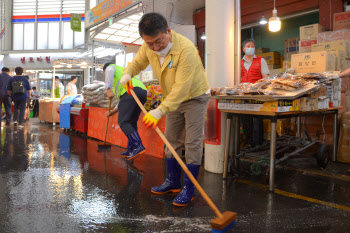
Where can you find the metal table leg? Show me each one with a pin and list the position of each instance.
(298, 127)
(237, 142)
(227, 143)
(272, 153)
(335, 134)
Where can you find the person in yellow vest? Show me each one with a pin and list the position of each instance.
(59, 88)
(127, 107)
(185, 88)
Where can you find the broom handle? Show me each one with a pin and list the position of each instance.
(179, 160)
(109, 110)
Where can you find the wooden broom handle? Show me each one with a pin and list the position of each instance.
(109, 110)
(179, 160)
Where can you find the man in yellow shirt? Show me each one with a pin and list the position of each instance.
(185, 88)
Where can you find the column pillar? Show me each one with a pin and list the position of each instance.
(219, 28)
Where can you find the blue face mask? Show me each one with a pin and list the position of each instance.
(250, 51)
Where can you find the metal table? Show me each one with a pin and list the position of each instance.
(273, 116)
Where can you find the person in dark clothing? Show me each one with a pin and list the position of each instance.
(4, 96)
(19, 99)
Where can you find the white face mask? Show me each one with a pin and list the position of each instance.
(165, 51)
(250, 51)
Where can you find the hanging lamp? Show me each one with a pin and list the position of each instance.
(263, 20)
(274, 21)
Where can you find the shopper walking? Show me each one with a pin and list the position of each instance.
(129, 111)
(5, 99)
(185, 88)
(19, 89)
(71, 87)
(35, 97)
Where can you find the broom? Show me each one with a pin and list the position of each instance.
(105, 146)
(224, 220)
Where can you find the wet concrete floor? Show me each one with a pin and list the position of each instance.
(54, 181)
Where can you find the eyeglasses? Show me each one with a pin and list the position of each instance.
(158, 42)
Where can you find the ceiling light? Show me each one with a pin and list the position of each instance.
(203, 36)
(274, 21)
(263, 20)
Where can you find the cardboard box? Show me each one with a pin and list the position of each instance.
(340, 62)
(291, 46)
(305, 45)
(281, 125)
(341, 21)
(343, 45)
(272, 58)
(347, 102)
(286, 65)
(231, 104)
(321, 91)
(273, 106)
(272, 67)
(147, 76)
(313, 62)
(308, 104)
(343, 34)
(310, 32)
(305, 105)
(275, 72)
(261, 50)
(323, 102)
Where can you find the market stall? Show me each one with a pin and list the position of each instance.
(95, 97)
(73, 113)
(286, 95)
(48, 110)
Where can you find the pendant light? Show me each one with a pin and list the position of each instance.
(274, 21)
(263, 20)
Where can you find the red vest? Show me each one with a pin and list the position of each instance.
(254, 72)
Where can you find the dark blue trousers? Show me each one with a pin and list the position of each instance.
(129, 111)
(7, 101)
(19, 112)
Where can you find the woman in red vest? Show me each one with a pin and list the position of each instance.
(253, 67)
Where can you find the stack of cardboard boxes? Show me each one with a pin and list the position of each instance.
(273, 60)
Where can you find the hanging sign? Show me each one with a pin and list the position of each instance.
(75, 22)
(104, 10)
